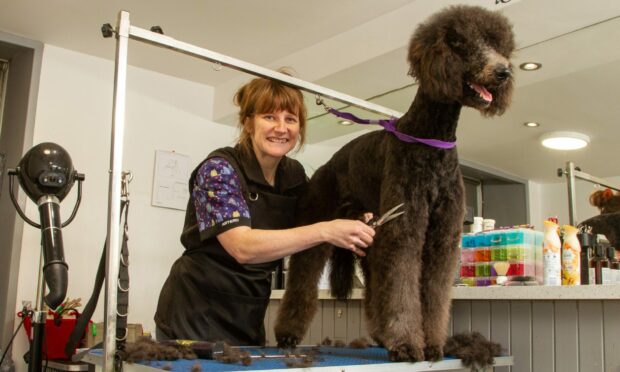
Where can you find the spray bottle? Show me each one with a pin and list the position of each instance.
(571, 257)
(552, 262)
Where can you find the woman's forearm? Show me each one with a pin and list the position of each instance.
(249, 245)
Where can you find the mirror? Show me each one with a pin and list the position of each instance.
(573, 91)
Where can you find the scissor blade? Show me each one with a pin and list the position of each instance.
(387, 216)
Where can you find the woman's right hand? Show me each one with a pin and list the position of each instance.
(353, 235)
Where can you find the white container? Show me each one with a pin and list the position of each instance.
(488, 224)
(552, 260)
(476, 227)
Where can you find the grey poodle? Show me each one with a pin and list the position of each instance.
(460, 57)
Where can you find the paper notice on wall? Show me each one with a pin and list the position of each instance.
(170, 180)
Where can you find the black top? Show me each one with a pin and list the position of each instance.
(208, 294)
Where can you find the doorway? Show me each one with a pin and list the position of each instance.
(20, 69)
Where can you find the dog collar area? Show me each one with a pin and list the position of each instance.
(390, 126)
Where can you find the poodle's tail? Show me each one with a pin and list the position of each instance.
(342, 273)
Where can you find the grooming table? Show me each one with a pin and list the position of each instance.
(373, 359)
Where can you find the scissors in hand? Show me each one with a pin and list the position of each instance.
(387, 216)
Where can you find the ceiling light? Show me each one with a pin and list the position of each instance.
(530, 66)
(345, 122)
(531, 124)
(565, 140)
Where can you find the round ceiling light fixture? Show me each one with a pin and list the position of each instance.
(565, 140)
(531, 124)
(530, 66)
(346, 123)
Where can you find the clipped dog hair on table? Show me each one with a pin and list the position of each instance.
(474, 350)
(147, 349)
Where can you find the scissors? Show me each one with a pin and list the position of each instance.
(387, 216)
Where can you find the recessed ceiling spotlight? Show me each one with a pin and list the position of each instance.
(530, 66)
(345, 122)
(565, 140)
(531, 124)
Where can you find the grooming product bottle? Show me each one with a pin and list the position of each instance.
(614, 265)
(571, 255)
(597, 263)
(586, 240)
(552, 262)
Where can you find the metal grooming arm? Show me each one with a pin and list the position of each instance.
(124, 32)
(573, 172)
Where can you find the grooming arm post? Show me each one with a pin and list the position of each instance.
(114, 197)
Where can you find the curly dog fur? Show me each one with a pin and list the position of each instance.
(460, 57)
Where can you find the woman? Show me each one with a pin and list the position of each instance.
(240, 222)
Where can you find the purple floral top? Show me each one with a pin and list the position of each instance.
(218, 198)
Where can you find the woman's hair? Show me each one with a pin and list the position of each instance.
(606, 201)
(261, 96)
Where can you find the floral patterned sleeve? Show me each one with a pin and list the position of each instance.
(218, 198)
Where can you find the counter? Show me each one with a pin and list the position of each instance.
(580, 292)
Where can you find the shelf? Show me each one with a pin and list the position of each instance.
(585, 292)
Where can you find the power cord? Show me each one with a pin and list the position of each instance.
(25, 312)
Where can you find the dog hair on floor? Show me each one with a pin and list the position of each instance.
(460, 57)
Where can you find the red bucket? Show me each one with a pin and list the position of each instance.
(57, 332)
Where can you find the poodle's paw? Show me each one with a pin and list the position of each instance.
(287, 340)
(405, 353)
(433, 353)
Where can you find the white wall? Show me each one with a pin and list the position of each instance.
(75, 110)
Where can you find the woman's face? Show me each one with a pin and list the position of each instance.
(274, 134)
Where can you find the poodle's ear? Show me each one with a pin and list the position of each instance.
(433, 62)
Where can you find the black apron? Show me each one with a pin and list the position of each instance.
(208, 294)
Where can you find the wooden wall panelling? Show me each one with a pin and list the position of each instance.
(461, 316)
(566, 337)
(611, 335)
(329, 313)
(543, 336)
(340, 321)
(354, 319)
(521, 335)
(500, 327)
(481, 317)
(363, 328)
(590, 336)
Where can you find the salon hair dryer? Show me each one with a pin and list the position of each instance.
(46, 174)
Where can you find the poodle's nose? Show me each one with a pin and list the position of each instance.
(502, 73)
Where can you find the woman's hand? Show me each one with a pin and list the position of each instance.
(353, 235)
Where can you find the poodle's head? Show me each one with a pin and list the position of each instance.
(463, 54)
(606, 201)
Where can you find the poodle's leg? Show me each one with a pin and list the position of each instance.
(300, 300)
(440, 264)
(392, 296)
